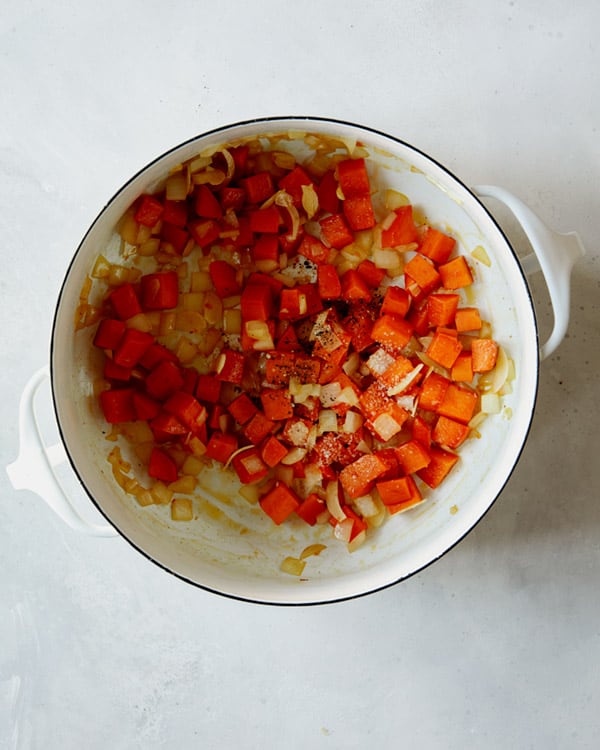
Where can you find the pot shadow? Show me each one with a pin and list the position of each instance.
(552, 498)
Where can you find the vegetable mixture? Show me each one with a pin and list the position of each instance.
(297, 324)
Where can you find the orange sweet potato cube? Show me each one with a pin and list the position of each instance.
(357, 478)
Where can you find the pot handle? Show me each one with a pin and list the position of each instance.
(34, 467)
(554, 254)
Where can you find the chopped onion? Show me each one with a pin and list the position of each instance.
(357, 541)
(209, 176)
(352, 364)
(386, 426)
(286, 201)
(161, 493)
(500, 372)
(181, 509)
(433, 366)
(491, 403)
(379, 362)
(366, 506)
(236, 453)
(230, 163)
(377, 520)
(250, 493)
(292, 565)
(284, 160)
(388, 221)
(184, 485)
(409, 403)
(352, 422)
(285, 474)
(327, 421)
(312, 476)
(252, 464)
(192, 466)
(363, 447)
(310, 200)
(330, 393)
(347, 396)
(405, 382)
(297, 434)
(293, 456)
(101, 268)
(480, 254)
(312, 549)
(177, 187)
(259, 331)
(386, 258)
(267, 265)
(343, 530)
(301, 392)
(86, 315)
(144, 497)
(140, 322)
(394, 199)
(349, 143)
(333, 501)
(200, 162)
(478, 419)
(232, 321)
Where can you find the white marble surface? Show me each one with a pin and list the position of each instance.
(494, 646)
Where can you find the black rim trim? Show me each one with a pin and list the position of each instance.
(236, 597)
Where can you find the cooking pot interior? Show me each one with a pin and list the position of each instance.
(232, 547)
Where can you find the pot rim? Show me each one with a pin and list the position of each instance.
(276, 121)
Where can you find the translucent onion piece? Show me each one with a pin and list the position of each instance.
(352, 422)
(230, 164)
(284, 160)
(176, 187)
(286, 201)
(209, 176)
(478, 419)
(161, 493)
(491, 403)
(330, 392)
(379, 362)
(389, 220)
(386, 426)
(140, 322)
(333, 501)
(101, 268)
(394, 199)
(310, 200)
(294, 455)
(480, 254)
(366, 506)
(433, 366)
(327, 421)
(182, 509)
(405, 382)
(352, 364)
(293, 566)
(386, 258)
(347, 396)
(250, 493)
(358, 541)
(297, 433)
(236, 453)
(312, 549)
(501, 370)
(343, 530)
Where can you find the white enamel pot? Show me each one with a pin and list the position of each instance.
(232, 548)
